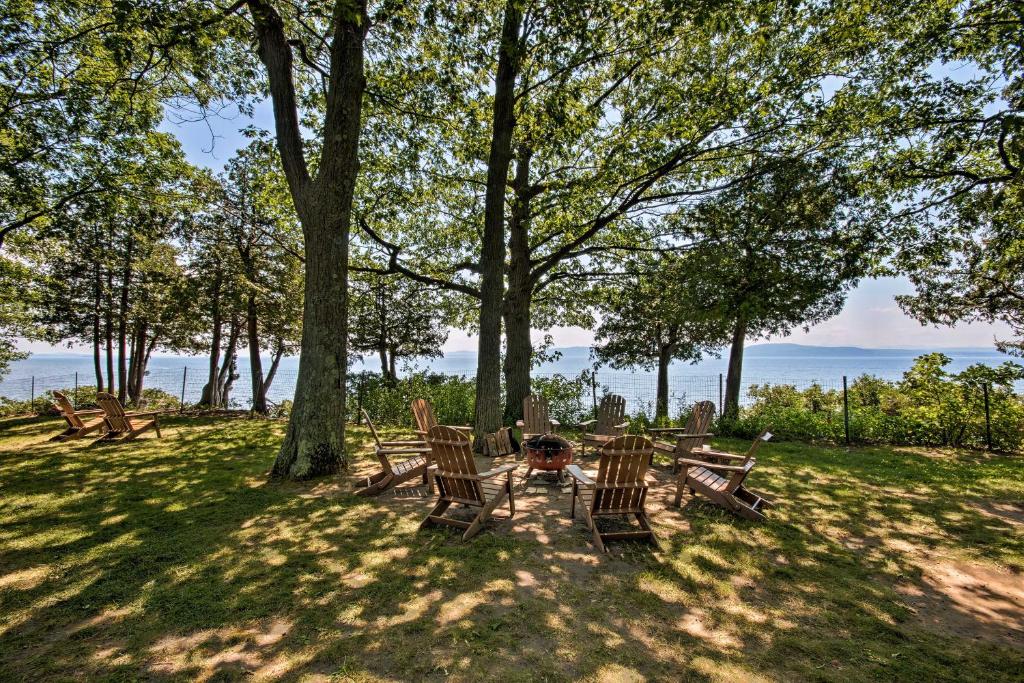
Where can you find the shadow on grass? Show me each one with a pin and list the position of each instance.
(176, 559)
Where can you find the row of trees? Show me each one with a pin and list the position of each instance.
(510, 155)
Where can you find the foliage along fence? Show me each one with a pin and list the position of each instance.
(929, 406)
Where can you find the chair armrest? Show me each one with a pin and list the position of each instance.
(145, 413)
(579, 475)
(720, 454)
(587, 423)
(555, 423)
(401, 444)
(461, 428)
(712, 466)
(402, 451)
(623, 425)
(520, 423)
(97, 411)
(497, 470)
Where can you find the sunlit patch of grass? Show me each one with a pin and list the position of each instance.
(176, 558)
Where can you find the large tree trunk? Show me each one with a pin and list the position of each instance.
(661, 402)
(734, 377)
(211, 392)
(259, 399)
(122, 324)
(314, 444)
(518, 347)
(492, 252)
(382, 353)
(96, 356)
(226, 375)
(108, 332)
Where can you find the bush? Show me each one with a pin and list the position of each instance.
(388, 403)
(928, 407)
(85, 398)
(565, 397)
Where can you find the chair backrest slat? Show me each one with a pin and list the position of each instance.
(373, 430)
(610, 413)
(535, 415)
(68, 411)
(624, 462)
(113, 412)
(452, 453)
(698, 423)
(748, 462)
(424, 414)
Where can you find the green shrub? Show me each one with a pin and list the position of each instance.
(565, 396)
(928, 407)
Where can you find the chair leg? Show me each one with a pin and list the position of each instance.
(511, 496)
(438, 510)
(572, 505)
(680, 486)
(598, 542)
(156, 425)
(483, 516)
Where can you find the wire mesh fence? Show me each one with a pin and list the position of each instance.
(574, 396)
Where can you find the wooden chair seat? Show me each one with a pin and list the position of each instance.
(610, 423)
(618, 488)
(690, 438)
(458, 481)
(536, 421)
(423, 413)
(392, 474)
(707, 477)
(76, 426)
(125, 426)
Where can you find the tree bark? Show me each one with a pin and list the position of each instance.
(518, 347)
(734, 377)
(96, 358)
(664, 359)
(226, 376)
(259, 399)
(492, 252)
(314, 444)
(122, 324)
(211, 392)
(382, 353)
(108, 332)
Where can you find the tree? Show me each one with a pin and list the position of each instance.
(780, 251)
(395, 318)
(659, 313)
(616, 111)
(261, 225)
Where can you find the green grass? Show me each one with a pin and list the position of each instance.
(176, 559)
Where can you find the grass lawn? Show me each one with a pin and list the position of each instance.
(174, 558)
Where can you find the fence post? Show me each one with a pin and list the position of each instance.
(184, 376)
(846, 412)
(988, 418)
(593, 391)
(76, 391)
(32, 400)
(720, 398)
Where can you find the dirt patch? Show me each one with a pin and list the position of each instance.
(970, 601)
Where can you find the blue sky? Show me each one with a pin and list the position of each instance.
(870, 319)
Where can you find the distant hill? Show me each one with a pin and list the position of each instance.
(806, 351)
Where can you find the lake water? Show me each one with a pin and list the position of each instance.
(768, 363)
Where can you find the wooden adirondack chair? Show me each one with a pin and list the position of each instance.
(393, 474)
(123, 425)
(535, 420)
(611, 422)
(77, 427)
(692, 437)
(458, 481)
(618, 488)
(425, 420)
(702, 476)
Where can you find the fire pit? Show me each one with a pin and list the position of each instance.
(547, 452)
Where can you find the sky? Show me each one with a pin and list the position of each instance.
(870, 318)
